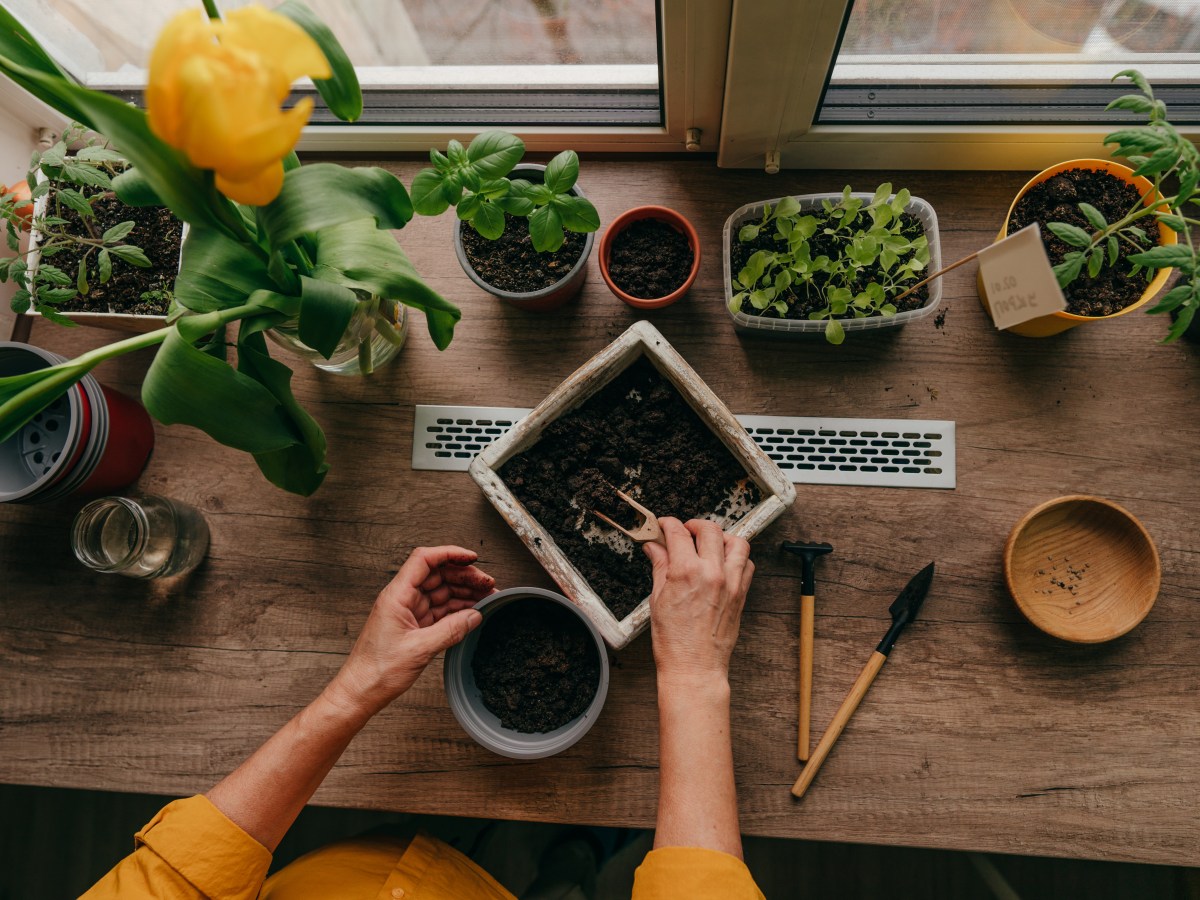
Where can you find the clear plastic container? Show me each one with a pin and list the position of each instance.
(748, 324)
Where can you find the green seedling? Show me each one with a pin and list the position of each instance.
(473, 180)
(873, 262)
(1160, 153)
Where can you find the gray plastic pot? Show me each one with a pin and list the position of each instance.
(480, 723)
(547, 298)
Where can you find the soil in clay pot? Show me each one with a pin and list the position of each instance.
(536, 666)
(1057, 199)
(806, 297)
(650, 259)
(511, 264)
(130, 289)
(637, 434)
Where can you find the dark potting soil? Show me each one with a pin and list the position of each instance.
(511, 264)
(536, 666)
(1057, 199)
(650, 259)
(801, 302)
(156, 231)
(637, 434)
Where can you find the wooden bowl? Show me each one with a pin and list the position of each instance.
(1082, 569)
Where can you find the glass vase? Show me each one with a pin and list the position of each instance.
(140, 537)
(373, 337)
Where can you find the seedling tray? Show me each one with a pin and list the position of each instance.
(642, 339)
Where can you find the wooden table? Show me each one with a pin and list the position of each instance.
(981, 734)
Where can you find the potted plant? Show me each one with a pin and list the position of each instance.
(531, 680)
(271, 244)
(649, 256)
(831, 263)
(91, 259)
(526, 239)
(1112, 232)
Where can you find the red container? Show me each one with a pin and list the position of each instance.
(660, 214)
(130, 443)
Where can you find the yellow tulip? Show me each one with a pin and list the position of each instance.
(215, 92)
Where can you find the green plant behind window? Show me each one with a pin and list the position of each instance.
(473, 180)
(1160, 153)
(872, 260)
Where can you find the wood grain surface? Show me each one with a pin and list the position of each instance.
(982, 733)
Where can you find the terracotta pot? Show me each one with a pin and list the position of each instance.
(547, 298)
(1057, 322)
(658, 214)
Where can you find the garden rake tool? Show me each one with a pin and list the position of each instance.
(647, 529)
(808, 554)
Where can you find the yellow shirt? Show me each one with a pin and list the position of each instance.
(190, 851)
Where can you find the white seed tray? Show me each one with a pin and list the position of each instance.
(641, 339)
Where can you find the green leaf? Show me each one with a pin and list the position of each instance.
(515, 206)
(1113, 249)
(1159, 161)
(748, 233)
(117, 232)
(133, 189)
(72, 199)
(882, 193)
(562, 172)
(468, 206)
(428, 196)
(1136, 140)
(1132, 103)
(1165, 257)
(493, 153)
(489, 221)
(180, 389)
(99, 155)
(341, 92)
(56, 294)
(1094, 216)
(132, 255)
(1173, 299)
(216, 272)
(834, 333)
(1070, 234)
(1181, 324)
(81, 282)
(787, 207)
(325, 310)
(1095, 263)
(104, 261)
(546, 230)
(577, 214)
(1068, 270)
(1175, 223)
(359, 255)
(86, 175)
(1137, 78)
(323, 195)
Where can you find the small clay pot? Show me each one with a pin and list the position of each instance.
(547, 298)
(659, 214)
(480, 722)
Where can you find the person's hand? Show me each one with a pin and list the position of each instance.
(700, 583)
(425, 609)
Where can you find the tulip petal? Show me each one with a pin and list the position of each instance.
(185, 35)
(279, 41)
(258, 190)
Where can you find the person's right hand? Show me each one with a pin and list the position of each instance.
(700, 583)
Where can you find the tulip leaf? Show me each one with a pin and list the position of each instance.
(325, 310)
(181, 385)
(323, 195)
(359, 255)
(133, 189)
(216, 272)
(341, 92)
(18, 46)
(301, 467)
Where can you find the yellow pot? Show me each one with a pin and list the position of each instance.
(1044, 326)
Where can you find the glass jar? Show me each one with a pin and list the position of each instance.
(142, 537)
(373, 337)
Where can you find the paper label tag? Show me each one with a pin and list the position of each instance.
(1019, 281)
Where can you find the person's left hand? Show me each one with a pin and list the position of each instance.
(425, 609)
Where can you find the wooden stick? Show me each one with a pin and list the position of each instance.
(845, 711)
(938, 274)
(807, 609)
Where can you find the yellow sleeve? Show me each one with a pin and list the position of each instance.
(693, 872)
(188, 851)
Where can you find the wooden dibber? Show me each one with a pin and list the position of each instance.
(647, 530)
(808, 553)
(904, 609)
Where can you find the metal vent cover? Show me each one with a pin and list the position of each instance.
(809, 449)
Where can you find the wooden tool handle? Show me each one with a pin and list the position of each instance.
(807, 608)
(845, 711)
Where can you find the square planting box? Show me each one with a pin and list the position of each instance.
(642, 339)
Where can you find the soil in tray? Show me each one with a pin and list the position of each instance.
(801, 302)
(511, 264)
(637, 434)
(1057, 199)
(156, 231)
(536, 666)
(649, 259)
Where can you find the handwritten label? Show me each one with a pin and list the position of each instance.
(1017, 277)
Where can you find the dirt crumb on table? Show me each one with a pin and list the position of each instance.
(637, 434)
